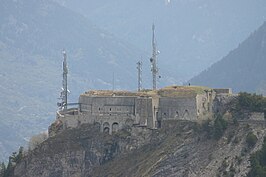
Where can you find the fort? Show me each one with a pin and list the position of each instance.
(151, 109)
(113, 110)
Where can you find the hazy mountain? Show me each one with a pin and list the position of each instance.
(32, 36)
(243, 69)
(191, 34)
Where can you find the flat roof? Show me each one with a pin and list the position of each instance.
(170, 91)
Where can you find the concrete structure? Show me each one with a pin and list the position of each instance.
(113, 110)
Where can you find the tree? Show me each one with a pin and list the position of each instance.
(258, 162)
(2, 169)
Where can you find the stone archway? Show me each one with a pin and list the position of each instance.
(106, 127)
(115, 127)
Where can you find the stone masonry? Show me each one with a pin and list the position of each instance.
(114, 110)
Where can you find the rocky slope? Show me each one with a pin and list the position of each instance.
(179, 149)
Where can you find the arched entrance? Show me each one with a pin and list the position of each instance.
(106, 127)
(115, 127)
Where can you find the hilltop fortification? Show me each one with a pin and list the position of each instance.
(151, 109)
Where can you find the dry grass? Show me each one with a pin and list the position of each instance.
(170, 91)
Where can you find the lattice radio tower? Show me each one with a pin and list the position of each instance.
(153, 60)
(64, 91)
(139, 67)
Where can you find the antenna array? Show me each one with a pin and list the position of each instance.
(139, 67)
(153, 60)
(64, 90)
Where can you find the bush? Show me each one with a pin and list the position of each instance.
(251, 139)
(250, 102)
(220, 125)
(216, 130)
(6, 171)
(2, 169)
(258, 162)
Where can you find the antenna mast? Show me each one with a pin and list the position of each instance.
(64, 92)
(139, 67)
(153, 60)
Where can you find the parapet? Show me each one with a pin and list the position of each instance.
(223, 90)
(170, 91)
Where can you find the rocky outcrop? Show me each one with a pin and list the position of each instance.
(75, 152)
(179, 149)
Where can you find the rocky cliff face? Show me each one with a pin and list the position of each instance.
(178, 149)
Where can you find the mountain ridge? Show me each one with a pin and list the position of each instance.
(242, 69)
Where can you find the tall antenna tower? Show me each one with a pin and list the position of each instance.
(153, 60)
(139, 67)
(64, 92)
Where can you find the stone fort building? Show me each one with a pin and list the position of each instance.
(114, 110)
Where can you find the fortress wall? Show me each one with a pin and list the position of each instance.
(154, 122)
(143, 110)
(70, 121)
(109, 113)
(177, 108)
(223, 90)
(110, 122)
(107, 105)
(203, 104)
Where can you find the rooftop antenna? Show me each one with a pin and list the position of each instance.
(64, 91)
(153, 60)
(139, 67)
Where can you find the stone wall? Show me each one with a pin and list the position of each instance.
(177, 108)
(144, 112)
(114, 112)
(205, 104)
(223, 91)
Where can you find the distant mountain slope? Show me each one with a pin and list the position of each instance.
(243, 69)
(191, 34)
(32, 36)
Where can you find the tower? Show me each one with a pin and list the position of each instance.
(153, 60)
(64, 91)
(139, 67)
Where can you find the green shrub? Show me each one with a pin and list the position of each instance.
(247, 102)
(258, 162)
(217, 129)
(251, 139)
(220, 126)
